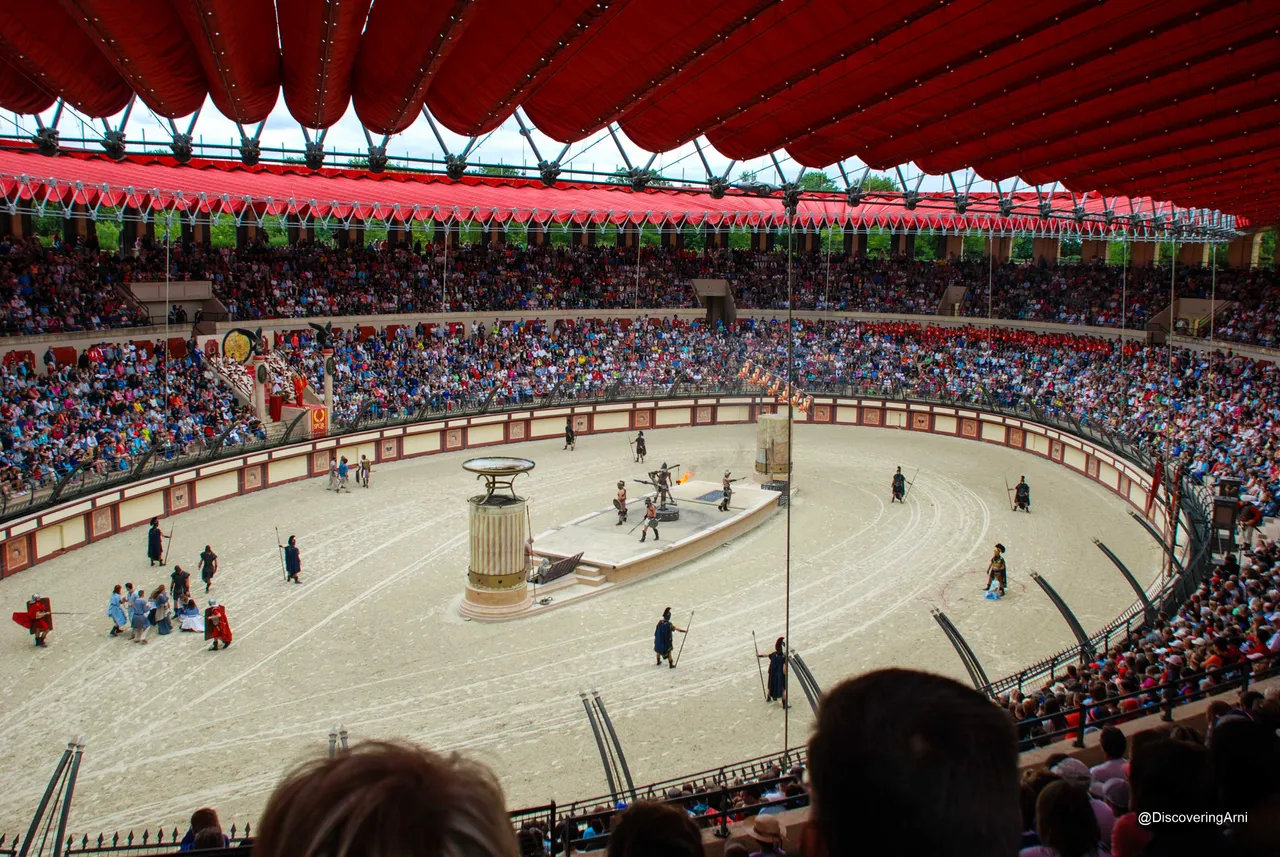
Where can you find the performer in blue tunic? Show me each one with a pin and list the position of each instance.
(292, 560)
(777, 672)
(663, 637)
(115, 611)
(155, 543)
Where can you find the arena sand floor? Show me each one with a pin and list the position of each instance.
(373, 638)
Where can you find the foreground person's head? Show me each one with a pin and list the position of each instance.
(920, 755)
(386, 800)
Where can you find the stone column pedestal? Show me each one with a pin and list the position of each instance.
(773, 452)
(498, 574)
(258, 368)
(497, 579)
(327, 355)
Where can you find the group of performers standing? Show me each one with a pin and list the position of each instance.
(661, 480)
(135, 611)
(340, 473)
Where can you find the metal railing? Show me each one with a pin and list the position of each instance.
(129, 844)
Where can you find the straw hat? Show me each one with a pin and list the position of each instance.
(767, 829)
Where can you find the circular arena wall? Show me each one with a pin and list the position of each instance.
(34, 538)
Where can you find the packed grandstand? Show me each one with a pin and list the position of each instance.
(59, 288)
(1146, 128)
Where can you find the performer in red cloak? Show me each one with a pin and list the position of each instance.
(298, 386)
(216, 627)
(37, 618)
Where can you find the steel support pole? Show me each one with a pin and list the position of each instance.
(1086, 647)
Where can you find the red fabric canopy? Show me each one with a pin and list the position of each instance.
(402, 49)
(1124, 97)
(147, 44)
(218, 187)
(50, 50)
(27, 95)
(235, 42)
(318, 41)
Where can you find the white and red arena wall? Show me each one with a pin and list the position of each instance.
(39, 536)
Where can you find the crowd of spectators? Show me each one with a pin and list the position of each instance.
(317, 280)
(935, 759)
(59, 288)
(508, 364)
(1215, 413)
(1230, 626)
(117, 402)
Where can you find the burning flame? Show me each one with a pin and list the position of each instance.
(684, 477)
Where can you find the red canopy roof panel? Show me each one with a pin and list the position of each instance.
(614, 71)
(318, 44)
(226, 187)
(148, 45)
(404, 44)
(785, 43)
(1110, 68)
(1093, 94)
(954, 35)
(506, 48)
(47, 46)
(239, 52)
(19, 92)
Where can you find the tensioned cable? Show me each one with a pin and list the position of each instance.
(791, 379)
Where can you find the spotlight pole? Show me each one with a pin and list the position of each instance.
(639, 232)
(991, 267)
(168, 240)
(826, 297)
(791, 467)
(1124, 295)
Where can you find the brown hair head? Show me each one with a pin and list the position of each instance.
(1065, 820)
(650, 828)
(387, 800)
(924, 750)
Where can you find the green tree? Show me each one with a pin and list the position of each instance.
(496, 170)
(975, 247)
(1023, 248)
(1267, 252)
(929, 246)
(375, 231)
(817, 181)
(693, 239)
(108, 231)
(880, 183)
(623, 176)
(222, 231)
(879, 244)
(277, 233)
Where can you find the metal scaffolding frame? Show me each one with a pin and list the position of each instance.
(1121, 217)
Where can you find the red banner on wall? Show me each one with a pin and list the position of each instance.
(319, 421)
